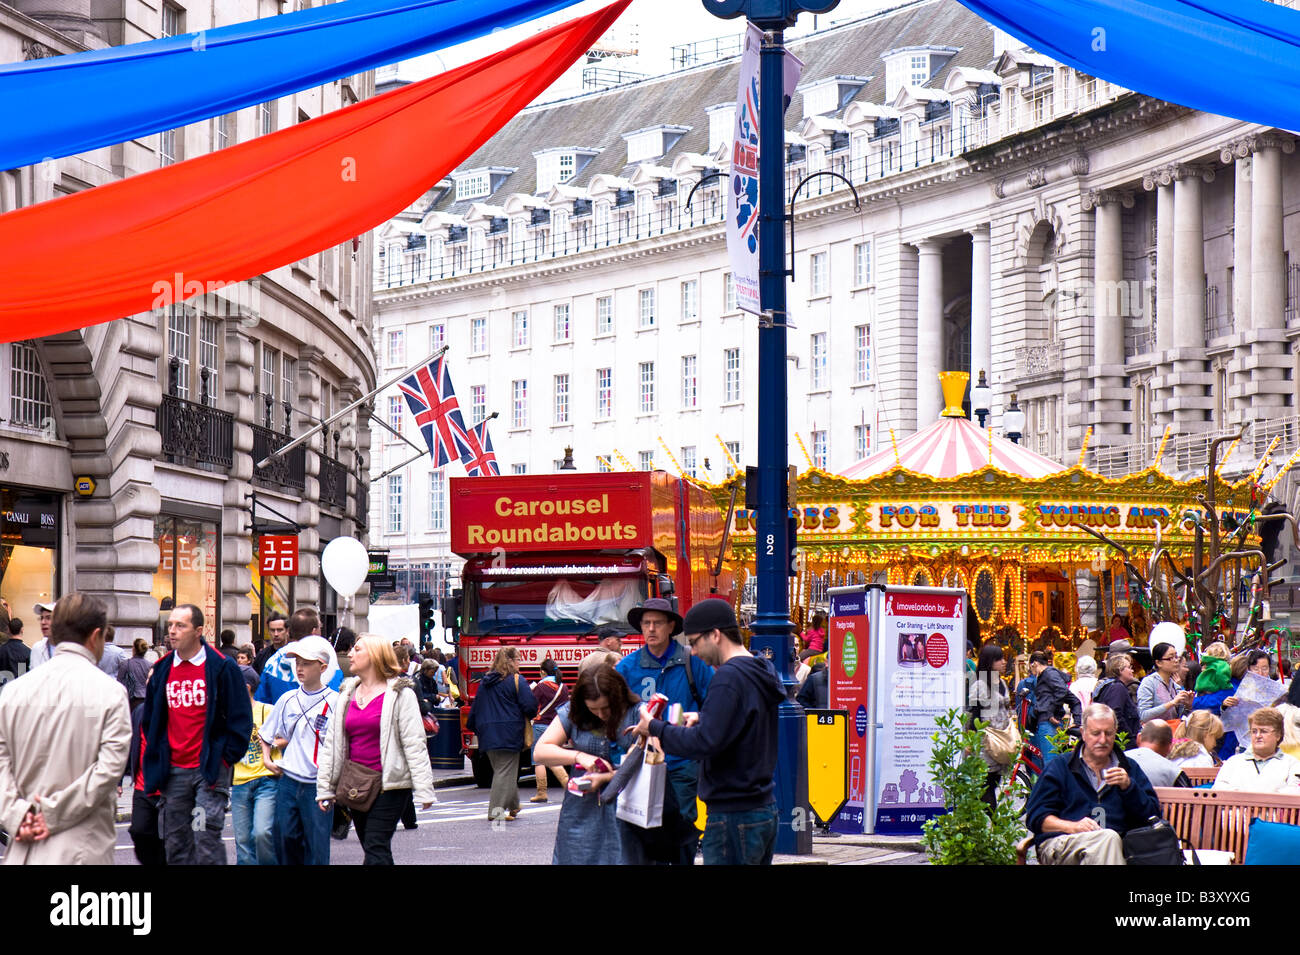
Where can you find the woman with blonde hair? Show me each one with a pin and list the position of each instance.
(503, 704)
(380, 734)
(1198, 749)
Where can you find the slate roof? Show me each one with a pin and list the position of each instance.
(600, 120)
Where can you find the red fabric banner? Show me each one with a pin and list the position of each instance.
(220, 219)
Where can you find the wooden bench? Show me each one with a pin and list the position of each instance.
(1213, 819)
(1199, 775)
(1220, 819)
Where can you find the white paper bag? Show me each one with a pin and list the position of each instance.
(641, 803)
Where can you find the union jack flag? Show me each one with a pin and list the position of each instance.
(478, 456)
(437, 412)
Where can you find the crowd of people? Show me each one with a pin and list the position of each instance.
(1089, 790)
(194, 728)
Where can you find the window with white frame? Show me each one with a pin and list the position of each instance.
(862, 440)
(920, 69)
(862, 264)
(395, 504)
(690, 300)
(477, 403)
(604, 393)
(819, 449)
(562, 330)
(518, 469)
(519, 404)
(173, 21)
(437, 336)
(478, 344)
(180, 333)
(395, 412)
(647, 300)
(818, 279)
(168, 147)
(728, 293)
(646, 460)
(862, 354)
(520, 323)
(817, 377)
(30, 407)
(438, 500)
(397, 346)
(561, 399)
(646, 375)
(603, 463)
(731, 375)
(473, 186)
(690, 381)
(604, 314)
(733, 449)
(266, 118)
(688, 461)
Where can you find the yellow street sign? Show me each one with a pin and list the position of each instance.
(828, 768)
(85, 485)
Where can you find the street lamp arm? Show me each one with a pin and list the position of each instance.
(857, 204)
(703, 179)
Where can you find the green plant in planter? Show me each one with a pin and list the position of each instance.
(966, 834)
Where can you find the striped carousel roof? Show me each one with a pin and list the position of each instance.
(950, 448)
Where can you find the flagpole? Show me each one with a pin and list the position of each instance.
(311, 432)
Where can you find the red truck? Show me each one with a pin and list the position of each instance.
(549, 558)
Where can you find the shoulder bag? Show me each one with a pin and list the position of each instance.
(1156, 844)
(358, 786)
(528, 724)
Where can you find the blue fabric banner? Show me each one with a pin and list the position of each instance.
(1234, 58)
(63, 105)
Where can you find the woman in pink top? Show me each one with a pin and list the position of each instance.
(380, 728)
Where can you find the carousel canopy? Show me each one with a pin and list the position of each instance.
(950, 448)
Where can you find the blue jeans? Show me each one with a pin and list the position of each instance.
(302, 826)
(252, 811)
(740, 838)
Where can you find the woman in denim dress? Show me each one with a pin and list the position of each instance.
(588, 735)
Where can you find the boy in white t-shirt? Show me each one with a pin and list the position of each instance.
(297, 725)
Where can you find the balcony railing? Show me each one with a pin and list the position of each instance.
(286, 470)
(1040, 359)
(196, 435)
(1190, 453)
(333, 485)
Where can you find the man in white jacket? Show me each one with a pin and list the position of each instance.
(59, 810)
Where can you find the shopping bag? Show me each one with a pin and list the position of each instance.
(641, 803)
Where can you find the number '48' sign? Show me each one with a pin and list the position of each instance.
(277, 556)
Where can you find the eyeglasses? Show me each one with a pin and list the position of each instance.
(692, 640)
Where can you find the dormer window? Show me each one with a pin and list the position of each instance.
(830, 95)
(913, 66)
(652, 142)
(557, 166)
(475, 185)
(722, 123)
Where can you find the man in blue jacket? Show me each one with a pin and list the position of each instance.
(197, 722)
(1086, 800)
(665, 666)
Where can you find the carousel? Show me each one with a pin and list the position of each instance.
(955, 505)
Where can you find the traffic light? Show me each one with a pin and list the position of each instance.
(451, 613)
(426, 618)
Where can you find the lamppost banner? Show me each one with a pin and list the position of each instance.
(742, 193)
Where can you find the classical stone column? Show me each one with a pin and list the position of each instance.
(929, 333)
(1106, 392)
(239, 376)
(1189, 259)
(981, 304)
(1161, 181)
(1267, 259)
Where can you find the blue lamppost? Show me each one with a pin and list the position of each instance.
(772, 629)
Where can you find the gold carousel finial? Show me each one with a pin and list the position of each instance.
(953, 384)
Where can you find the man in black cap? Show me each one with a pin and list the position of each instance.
(735, 737)
(665, 666)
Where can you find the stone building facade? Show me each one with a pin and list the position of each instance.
(1115, 263)
(163, 415)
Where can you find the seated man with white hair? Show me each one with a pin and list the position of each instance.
(1154, 744)
(1087, 799)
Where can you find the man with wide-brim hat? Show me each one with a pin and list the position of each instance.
(665, 666)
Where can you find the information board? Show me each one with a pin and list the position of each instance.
(849, 646)
(921, 642)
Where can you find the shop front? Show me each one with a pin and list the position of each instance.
(189, 568)
(31, 527)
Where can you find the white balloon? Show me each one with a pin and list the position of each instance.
(345, 563)
(1170, 633)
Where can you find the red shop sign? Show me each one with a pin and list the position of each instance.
(277, 556)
